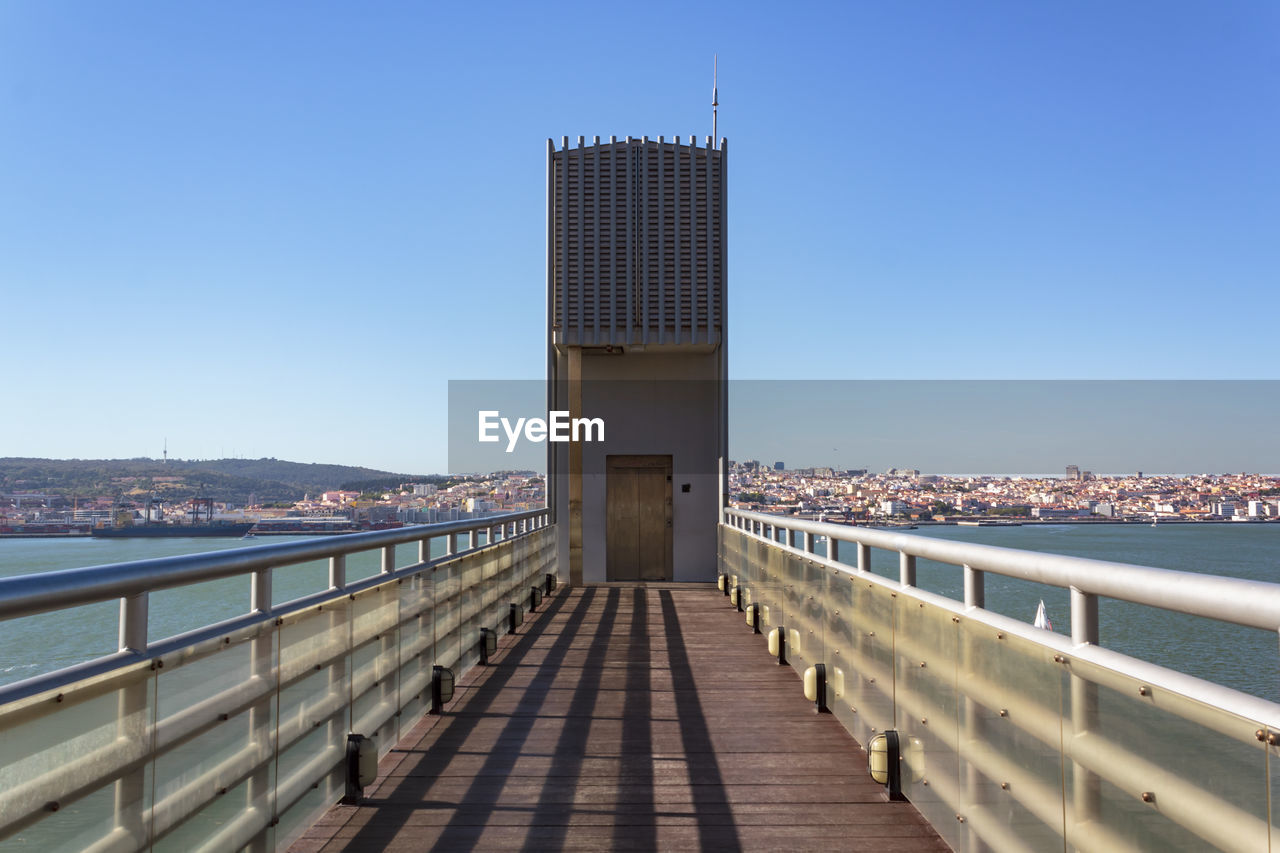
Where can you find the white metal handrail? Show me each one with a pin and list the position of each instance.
(1254, 604)
(25, 595)
(132, 583)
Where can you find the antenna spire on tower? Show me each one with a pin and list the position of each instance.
(715, 96)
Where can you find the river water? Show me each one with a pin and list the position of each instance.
(1242, 658)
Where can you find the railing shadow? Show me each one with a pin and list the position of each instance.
(413, 788)
(636, 766)
(563, 800)
(552, 813)
(708, 789)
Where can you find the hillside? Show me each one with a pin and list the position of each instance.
(235, 480)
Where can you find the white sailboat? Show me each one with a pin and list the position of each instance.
(1042, 618)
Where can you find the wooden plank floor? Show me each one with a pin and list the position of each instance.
(627, 718)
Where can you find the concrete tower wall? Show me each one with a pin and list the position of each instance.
(636, 241)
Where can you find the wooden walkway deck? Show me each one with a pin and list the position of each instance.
(627, 718)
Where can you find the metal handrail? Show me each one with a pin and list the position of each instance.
(26, 595)
(132, 582)
(1254, 604)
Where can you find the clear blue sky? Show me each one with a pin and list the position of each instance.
(279, 229)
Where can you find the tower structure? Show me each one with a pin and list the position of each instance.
(636, 245)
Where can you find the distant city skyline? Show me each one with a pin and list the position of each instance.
(278, 231)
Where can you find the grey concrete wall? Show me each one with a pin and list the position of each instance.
(652, 404)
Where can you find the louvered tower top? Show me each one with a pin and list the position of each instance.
(636, 243)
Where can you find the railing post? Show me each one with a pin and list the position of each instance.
(864, 557)
(906, 569)
(261, 728)
(473, 538)
(1086, 787)
(973, 729)
(806, 541)
(451, 544)
(388, 559)
(260, 591)
(133, 623)
(833, 548)
(424, 549)
(1084, 617)
(338, 569)
(975, 587)
(131, 716)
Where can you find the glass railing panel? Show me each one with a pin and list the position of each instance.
(471, 610)
(228, 822)
(1157, 770)
(492, 593)
(446, 615)
(508, 572)
(735, 558)
(1272, 733)
(209, 781)
(528, 569)
(776, 585)
(498, 570)
(813, 620)
(843, 665)
(417, 646)
(1010, 712)
(801, 639)
(215, 668)
(314, 714)
(765, 569)
(375, 663)
(728, 560)
(533, 569)
(868, 685)
(54, 745)
(926, 639)
(323, 747)
(774, 570)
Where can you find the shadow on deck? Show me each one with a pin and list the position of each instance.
(627, 718)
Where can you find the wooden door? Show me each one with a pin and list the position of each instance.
(638, 518)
